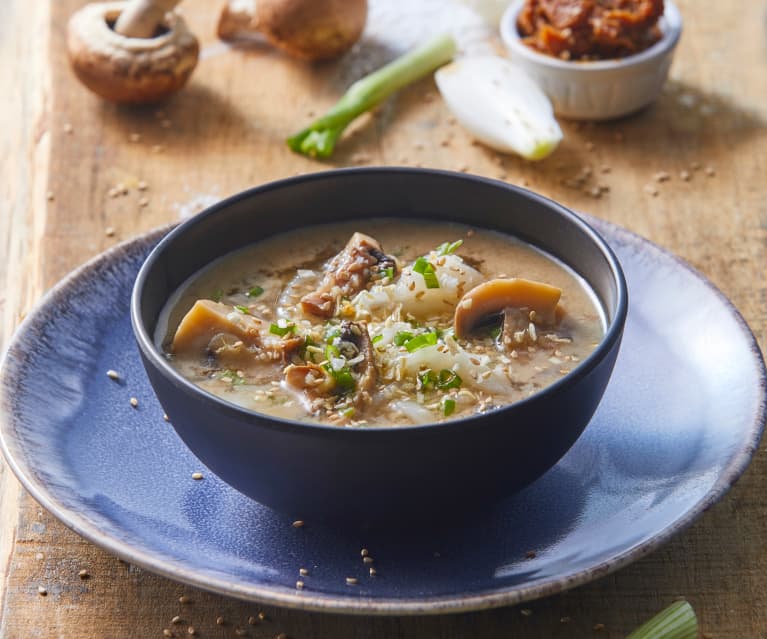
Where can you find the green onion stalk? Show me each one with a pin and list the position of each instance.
(678, 621)
(319, 138)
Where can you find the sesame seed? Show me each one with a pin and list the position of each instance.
(134, 402)
(240, 632)
(695, 166)
(364, 552)
(135, 137)
(367, 560)
(565, 619)
(165, 417)
(372, 572)
(42, 591)
(684, 175)
(262, 615)
(68, 128)
(176, 620)
(167, 632)
(109, 231)
(526, 612)
(112, 374)
(530, 554)
(143, 202)
(197, 476)
(299, 585)
(303, 572)
(39, 556)
(157, 148)
(190, 630)
(298, 523)
(50, 196)
(83, 574)
(650, 190)
(183, 599)
(142, 186)
(351, 581)
(598, 627)
(710, 171)
(220, 621)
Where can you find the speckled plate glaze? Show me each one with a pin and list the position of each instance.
(680, 420)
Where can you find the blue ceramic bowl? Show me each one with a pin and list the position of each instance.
(312, 470)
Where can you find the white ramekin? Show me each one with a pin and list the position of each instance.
(598, 90)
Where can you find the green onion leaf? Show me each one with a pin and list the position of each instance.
(331, 351)
(276, 329)
(389, 272)
(377, 339)
(427, 379)
(255, 291)
(678, 621)
(344, 380)
(421, 341)
(420, 265)
(448, 406)
(243, 309)
(425, 268)
(402, 337)
(448, 248)
(448, 379)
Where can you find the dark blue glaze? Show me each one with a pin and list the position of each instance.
(381, 475)
(672, 434)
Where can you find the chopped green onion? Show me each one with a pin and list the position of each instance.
(678, 621)
(377, 339)
(276, 329)
(421, 341)
(427, 379)
(217, 295)
(425, 268)
(389, 272)
(495, 333)
(255, 291)
(232, 377)
(331, 351)
(347, 412)
(448, 248)
(243, 309)
(448, 379)
(344, 380)
(448, 406)
(402, 337)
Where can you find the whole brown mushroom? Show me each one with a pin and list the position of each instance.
(136, 52)
(309, 29)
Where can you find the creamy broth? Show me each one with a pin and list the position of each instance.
(283, 333)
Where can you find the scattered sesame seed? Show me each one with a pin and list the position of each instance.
(565, 619)
(176, 620)
(298, 523)
(68, 128)
(50, 196)
(662, 176)
(531, 554)
(605, 169)
(190, 630)
(710, 171)
(83, 574)
(197, 476)
(684, 175)
(252, 620)
(112, 374)
(351, 581)
(167, 632)
(39, 556)
(165, 417)
(135, 137)
(598, 627)
(303, 572)
(526, 612)
(220, 621)
(240, 632)
(373, 572)
(695, 166)
(183, 599)
(364, 552)
(142, 186)
(109, 231)
(134, 402)
(299, 585)
(650, 190)
(262, 615)
(157, 148)
(143, 202)
(367, 560)
(42, 590)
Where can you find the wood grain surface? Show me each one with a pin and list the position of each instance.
(71, 167)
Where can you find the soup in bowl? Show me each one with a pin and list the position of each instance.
(366, 343)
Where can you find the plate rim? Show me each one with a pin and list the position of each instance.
(359, 605)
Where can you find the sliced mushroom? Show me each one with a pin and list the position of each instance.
(221, 330)
(496, 295)
(126, 66)
(347, 274)
(356, 334)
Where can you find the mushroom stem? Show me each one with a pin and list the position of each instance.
(140, 18)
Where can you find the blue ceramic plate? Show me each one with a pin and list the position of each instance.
(679, 422)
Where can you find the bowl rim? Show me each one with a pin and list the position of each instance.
(671, 30)
(146, 343)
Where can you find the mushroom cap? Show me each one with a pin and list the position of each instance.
(312, 29)
(132, 70)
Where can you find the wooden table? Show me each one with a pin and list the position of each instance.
(64, 155)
